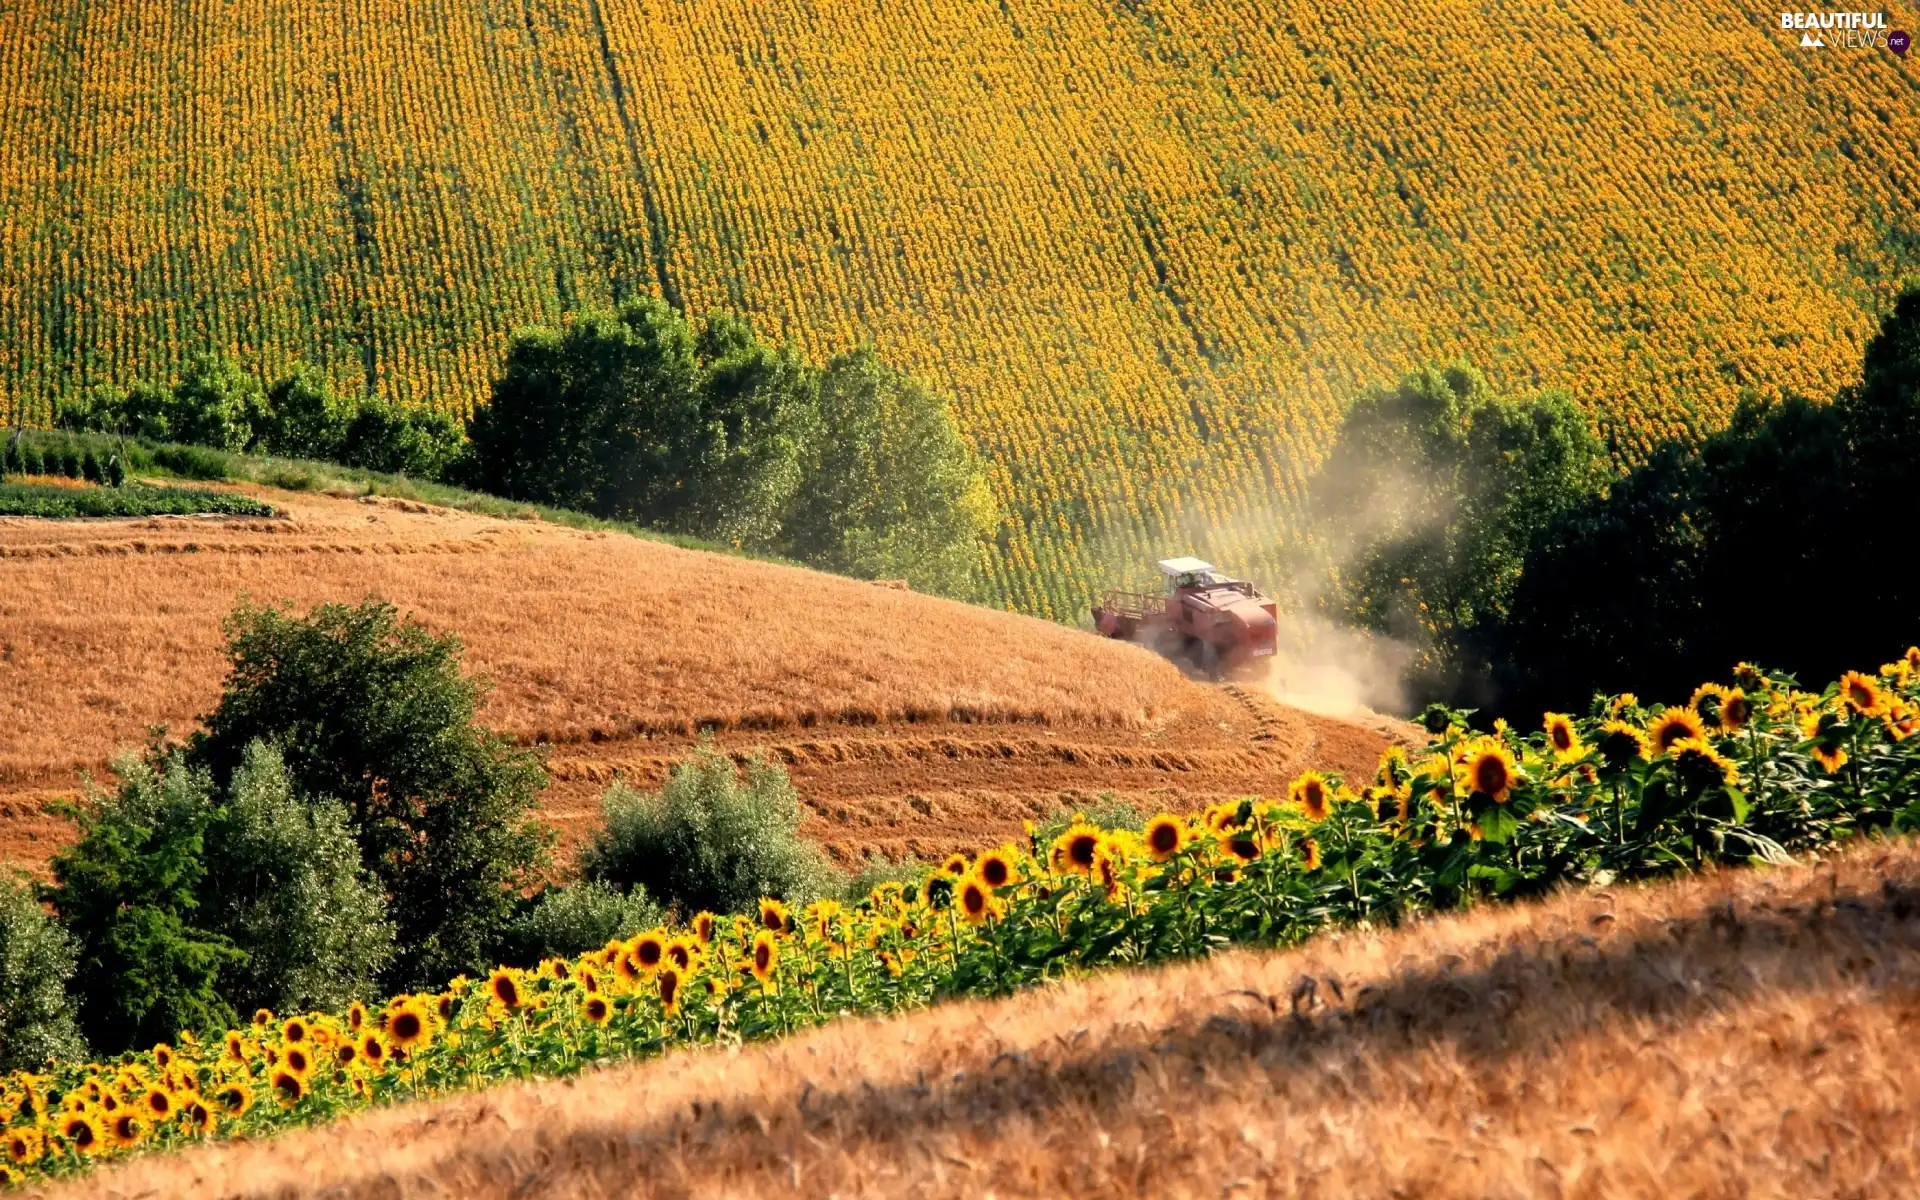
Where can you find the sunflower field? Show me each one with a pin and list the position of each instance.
(1150, 247)
(1752, 771)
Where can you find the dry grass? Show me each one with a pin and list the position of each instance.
(617, 650)
(1743, 1034)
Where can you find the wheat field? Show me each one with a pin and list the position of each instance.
(1746, 1033)
(911, 724)
(1151, 247)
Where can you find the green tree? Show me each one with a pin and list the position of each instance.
(893, 490)
(1427, 506)
(217, 404)
(708, 839)
(386, 437)
(128, 891)
(375, 711)
(305, 418)
(569, 921)
(284, 882)
(36, 961)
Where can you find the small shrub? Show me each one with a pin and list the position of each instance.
(36, 960)
(878, 870)
(193, 462)
(709, 839)
(569, 921)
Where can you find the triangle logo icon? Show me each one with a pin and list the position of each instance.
(1810, 42)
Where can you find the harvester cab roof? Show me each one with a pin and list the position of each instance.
(1189, 572)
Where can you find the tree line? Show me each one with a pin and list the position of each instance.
(638, 414)
(1493, 535)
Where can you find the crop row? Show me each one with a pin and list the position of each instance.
(1758, 771)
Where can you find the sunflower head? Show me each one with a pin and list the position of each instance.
(766, 956)
(680, 952)
(1240, 845)
(1621, 745)
(975, 899)
(127, 1128)
(1562, 739)
(1166, 836)
(504, 987)
(596, 1008)
(703, 927)
(1831, 758)
(1698, 763)
(667, 983)
(198, 1118)
(1310, 854)
(288, 1088)
(373, 1051)
(956, 865)
(25, 1145)
(233, 1098)
(83, 1132)
(295, 1031)
(1675, 725)
(356, 1016)
(995, 868)
(236, 1047)
(1489, 768)
(1075, 848)
(157, 1103)
(262, 1017)
(1312, 794)
(1735, 711)
(773, 916)
(297, 1060)
(1862, 694)
(408, 1026)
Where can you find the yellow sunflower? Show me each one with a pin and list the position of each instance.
(1830, 758)
(1310, 853)
(288, 1088)
(1312, 793)
(1622, 744)
(504, 986)
(596, 1009)
(298, 1060)
(703, 923)
(373, 1050)
(1694, 759)
(1490, 768)
(773, 916)
(262, 1017)
(996, 869)
(956, 865)
(356, 1016)
(83, 1132)
(198, 1118)
(158, 1103)
(1166, 836)
(1074, 849)
(1675, 725)
(1735, 711)
(1562, 739)
(294, 1031)
(667, 983)
(127, 1128)
(766, 956)
(1862, 694)
(976, 899)
(1241, 845)
(234, 1098)
(408, 1025)
(25, 1145)
(236, 1049)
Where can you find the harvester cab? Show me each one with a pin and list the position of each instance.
(1218, 624)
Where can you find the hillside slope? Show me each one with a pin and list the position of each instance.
(911, 723)
(1150, 245)
(1744, 1034)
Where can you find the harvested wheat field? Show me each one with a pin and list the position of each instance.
(1747, 1033)
(911, 724)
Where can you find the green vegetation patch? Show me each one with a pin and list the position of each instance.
(35, 500)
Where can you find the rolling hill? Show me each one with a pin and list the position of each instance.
(1150, 246)
(1743, 1033)
(911, 724)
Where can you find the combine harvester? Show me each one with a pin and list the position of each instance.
(1221, 626)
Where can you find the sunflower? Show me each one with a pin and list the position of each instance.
(596, 1009)
(297, 1060)
(766, 956)
(356, 1016)
(262, 1017)
(773, 916)
(1675, 725)
(1310, 853)
(587, 979)
(1830, 758)
(1902, 720)
(1106, 871)
(126, 1129)
(234, 1098)
(1912, 657)
(1221, 817)
(198, 1118)
(162, 1055)
(158, 1103)
(373, 1051)
(680, 952)
(668, 985)
(626, 968)
(346, 1052)
(236, 1050)
(289, 1088)
(995, 868)
(703, 925)
(1862, 694)
(83, 1132)
(1166, 836)
(504, 986)
(408, 1026)
(1621, 703)
(1311, 793)
(649, 948)
(1073, 850)
(1562, 738)
(1622, 744)
(1490, 769)
(295, 1031)
(1735, 711)
(1700, 763)
(976, 899)
(445, 1003)
(25, 1145)
(956, 865)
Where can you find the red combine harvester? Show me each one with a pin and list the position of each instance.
(1220, 625)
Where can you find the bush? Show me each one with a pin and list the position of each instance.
(398, 441)
(375, 711)
(192, 462)
(709, 839)
(36, 960)
(128, 891)
(284, 883)
(305, 419)
(22, 500)
(569, 921)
